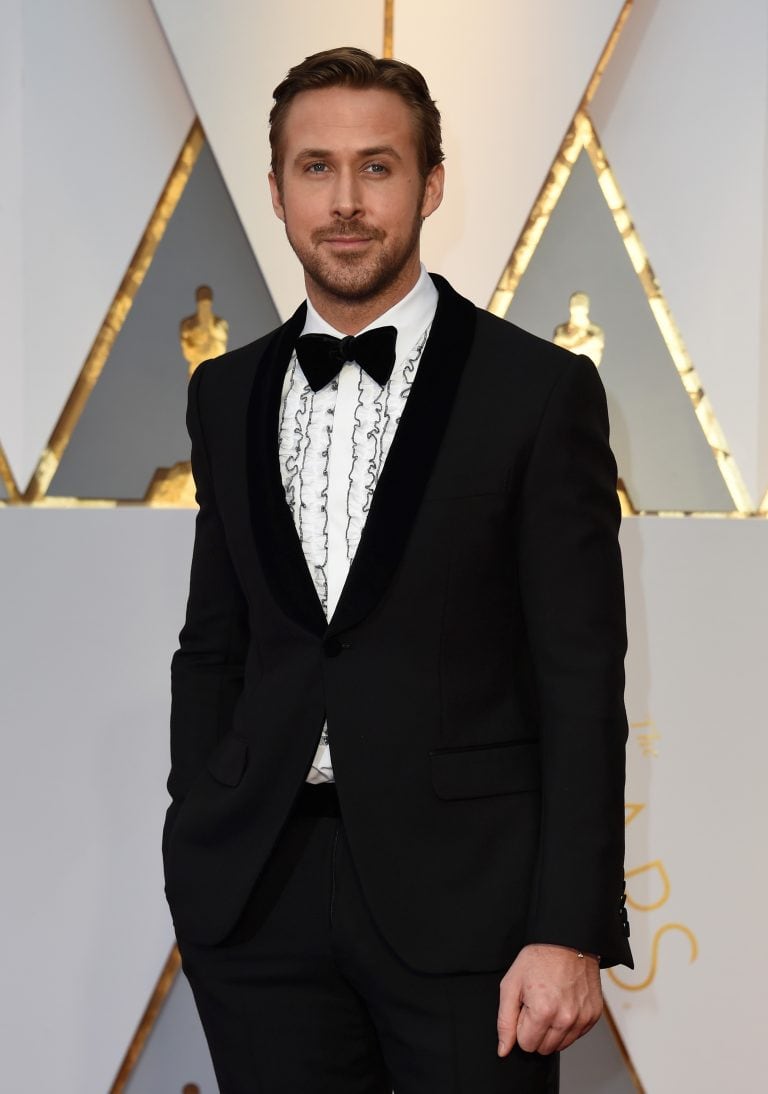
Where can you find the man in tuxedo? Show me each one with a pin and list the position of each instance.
(394, 850)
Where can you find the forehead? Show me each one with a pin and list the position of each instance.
(345, 119)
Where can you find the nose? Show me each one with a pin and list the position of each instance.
(347, 196)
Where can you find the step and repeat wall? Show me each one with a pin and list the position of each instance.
(606, 187)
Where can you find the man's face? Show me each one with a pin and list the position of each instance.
(351, 195)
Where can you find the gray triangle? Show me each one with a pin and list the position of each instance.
(133, 422)
(662, 453)
(176, 1053)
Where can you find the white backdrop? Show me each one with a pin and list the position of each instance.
(91, 608)
(697, 762)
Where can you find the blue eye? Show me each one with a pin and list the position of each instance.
(316, 168)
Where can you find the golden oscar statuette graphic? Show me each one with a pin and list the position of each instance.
(580, 334)
(202, 336)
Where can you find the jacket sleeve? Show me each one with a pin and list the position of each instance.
(207, 669)
(573, 597)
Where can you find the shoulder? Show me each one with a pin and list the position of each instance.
(511, 346)
(528, 373)
(510, 354)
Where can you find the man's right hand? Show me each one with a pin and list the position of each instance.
(549, 998)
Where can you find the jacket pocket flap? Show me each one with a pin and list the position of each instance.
(228, 760)
(479, 771)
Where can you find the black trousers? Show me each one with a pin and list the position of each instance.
(306, 997)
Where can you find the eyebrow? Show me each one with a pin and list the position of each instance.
(325, 153)
(381, 150)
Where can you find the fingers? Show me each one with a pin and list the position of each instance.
(553, 1031)
(533, 1027)
(550, 997)
(509, 1013)
(559, 1037)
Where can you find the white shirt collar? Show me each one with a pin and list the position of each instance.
(411, 315)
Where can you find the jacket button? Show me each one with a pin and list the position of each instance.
(332, 647)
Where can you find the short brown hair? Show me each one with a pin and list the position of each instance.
(348, 66)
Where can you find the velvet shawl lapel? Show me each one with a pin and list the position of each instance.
(401, 484)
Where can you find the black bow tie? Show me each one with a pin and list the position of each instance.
(321, 355)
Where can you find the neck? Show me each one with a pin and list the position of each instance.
(350, 316)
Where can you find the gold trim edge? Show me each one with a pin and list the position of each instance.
(147, 1021)
(389, 29)
(623, 1050)
(8, 480)
(605, 57)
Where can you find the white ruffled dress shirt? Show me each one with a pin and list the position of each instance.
(333, 444)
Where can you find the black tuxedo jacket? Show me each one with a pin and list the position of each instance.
(472, 673)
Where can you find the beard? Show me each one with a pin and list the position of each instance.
(362, 276)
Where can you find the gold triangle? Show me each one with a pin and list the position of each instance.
(116, 315)
(582, 136)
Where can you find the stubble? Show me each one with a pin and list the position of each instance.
(356, 277)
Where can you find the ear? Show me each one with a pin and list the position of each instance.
(277, 201)
(433, 190)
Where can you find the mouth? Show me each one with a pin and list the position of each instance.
(347, 243)
(347, 238)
